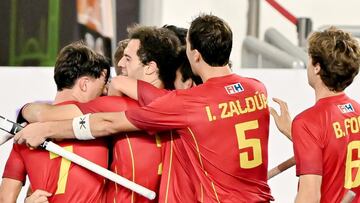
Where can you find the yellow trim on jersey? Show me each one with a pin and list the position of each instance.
(202, 193)
(216, 195)
(170, 167)
(158, 140)
(158, 144)
(197, 147)
(132, 165)
(64, 171)
(202, 166)
(160, 169)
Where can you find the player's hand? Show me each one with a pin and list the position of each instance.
(32, 135)
(39, 196)
(283, 121)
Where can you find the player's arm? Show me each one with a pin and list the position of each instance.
(308, 156)
(283, 121)
(309, 189)
(14, 176)
(100, 124)
(9, 190)
(138, 90)
(158, 116)
(123, 85)
(40, 112)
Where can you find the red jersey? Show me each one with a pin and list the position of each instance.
(136, 156)
(224, 127)
(327, 142)
(175, 185)
(65, 180)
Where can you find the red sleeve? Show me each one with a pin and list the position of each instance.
(14, 168)
(307, 148)
(103, 104)
(148, 93)
(164, 113)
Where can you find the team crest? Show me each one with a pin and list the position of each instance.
(346, 108)
(234, 88)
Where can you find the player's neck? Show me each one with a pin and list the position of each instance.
(157, 83)
(207, 72)
(65, 95)
(321, 91)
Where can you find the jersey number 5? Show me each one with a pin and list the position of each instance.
(253, 143)
(64, 171)
(352, 164)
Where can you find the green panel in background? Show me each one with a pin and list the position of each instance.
(34, 32)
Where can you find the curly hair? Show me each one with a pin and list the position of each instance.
(161, 46)
(338, 55)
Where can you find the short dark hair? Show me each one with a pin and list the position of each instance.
(185, 68)
(161, 46)
(179, 32)
(338, 55)
(212, 37)
(184, 64)
(76, 60)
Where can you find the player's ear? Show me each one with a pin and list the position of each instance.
(197, 55)
(188, 83)
(151, 68)
(83, 83)
(317, 68)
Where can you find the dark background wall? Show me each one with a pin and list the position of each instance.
(27, 37)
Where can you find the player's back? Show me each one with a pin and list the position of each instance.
(223, 125)
(333, 124)
(52, 173)
(135, 156)
(234, 109)
(227, 139)
(66, 180)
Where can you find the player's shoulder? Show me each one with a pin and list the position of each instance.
(117, 99)
(115, 103)
(309, 114)
(253, 81)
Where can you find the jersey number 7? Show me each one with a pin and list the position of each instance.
(64, 171)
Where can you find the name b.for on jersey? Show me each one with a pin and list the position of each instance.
(348, 125)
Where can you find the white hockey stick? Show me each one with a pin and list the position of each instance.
(12, 128)
(7, 126)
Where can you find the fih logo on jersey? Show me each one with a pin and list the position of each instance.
(234, 88)
(346, 108)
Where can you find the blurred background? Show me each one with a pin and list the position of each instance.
(269, 44)
(267, 33)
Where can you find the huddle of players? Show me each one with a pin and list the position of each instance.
(217, 151)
